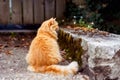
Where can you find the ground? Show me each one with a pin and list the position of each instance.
(13, 49)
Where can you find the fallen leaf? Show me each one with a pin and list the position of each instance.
(77, 28)
(17, 46)
(1, 46)
(69, 27)
(8, 52)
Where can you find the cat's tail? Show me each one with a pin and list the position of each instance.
(72, 68)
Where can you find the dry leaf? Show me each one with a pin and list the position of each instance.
(77, 28)
(8, 52)
(1, 46)
(69, 27)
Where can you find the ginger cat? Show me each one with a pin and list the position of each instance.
(44, 53)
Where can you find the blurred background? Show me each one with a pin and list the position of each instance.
(29, 14)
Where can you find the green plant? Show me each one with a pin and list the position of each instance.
(12, 34)
(72, 46)
(103, 13)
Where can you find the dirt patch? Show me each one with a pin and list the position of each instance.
(13, 49)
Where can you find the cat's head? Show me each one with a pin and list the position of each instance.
(50, 25)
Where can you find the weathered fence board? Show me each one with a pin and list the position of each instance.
(4, 11)
(16, 12)
(60, 8)
(27, 11)
(38, 11)
(30, 11)
(49, 9)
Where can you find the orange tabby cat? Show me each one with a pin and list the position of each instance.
(44, 53)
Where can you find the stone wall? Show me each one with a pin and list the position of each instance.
(101, 58)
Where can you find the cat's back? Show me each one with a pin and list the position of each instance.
(43, 40)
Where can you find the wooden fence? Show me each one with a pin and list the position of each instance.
(30, 11)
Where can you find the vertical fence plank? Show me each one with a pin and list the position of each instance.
(49, 9)
(4, 11)
(38, 11)
(27, 11)
(24, 11)
(60, 8)
(16, 12)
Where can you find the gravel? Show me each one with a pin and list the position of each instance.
(13, 67)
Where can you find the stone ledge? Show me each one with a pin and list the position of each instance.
(101, 55)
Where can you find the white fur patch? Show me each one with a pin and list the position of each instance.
(73, 67)
(30, 68)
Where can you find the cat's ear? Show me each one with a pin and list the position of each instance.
(51, 21)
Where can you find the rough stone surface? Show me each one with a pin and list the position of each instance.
(101, 59)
